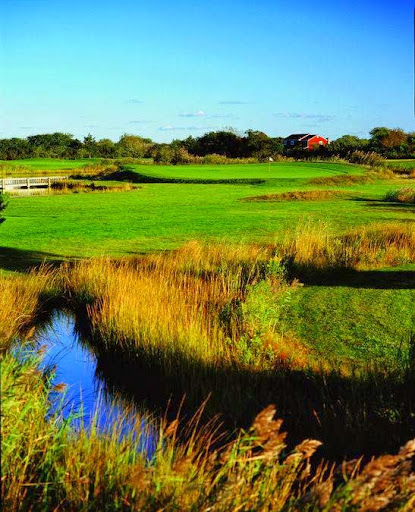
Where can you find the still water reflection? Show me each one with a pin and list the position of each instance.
(86, 397)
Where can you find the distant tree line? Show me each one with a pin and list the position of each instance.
(219, 145)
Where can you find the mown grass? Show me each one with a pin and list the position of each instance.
(166, 215)
(46, 164)
(405, 167)
(275, 171)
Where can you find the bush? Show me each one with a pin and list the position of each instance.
(182, 156)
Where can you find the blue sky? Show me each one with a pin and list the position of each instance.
(169, 69)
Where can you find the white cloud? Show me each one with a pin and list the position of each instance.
(169, 127)
(199, 113)
(223, 116)
(320, 118)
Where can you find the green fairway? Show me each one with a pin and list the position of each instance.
(276, 170)
(48, 164)
(164, 215)
(160, 216)
(354, 323)
(404, 164)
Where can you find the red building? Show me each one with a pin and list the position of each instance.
(305, 140)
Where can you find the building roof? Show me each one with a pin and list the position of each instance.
(300, 136)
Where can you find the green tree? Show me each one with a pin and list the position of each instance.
(54, 145)
(106, 148)
(12, 149)
(163, 154)
(133, 146)
(226, 143)
(90, 146)
(394, 139)
(347, 143)
(260, 146)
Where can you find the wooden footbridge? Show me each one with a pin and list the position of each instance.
(29, 183)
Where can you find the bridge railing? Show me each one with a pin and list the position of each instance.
(35, 182)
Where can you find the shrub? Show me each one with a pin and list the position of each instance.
(182, 156)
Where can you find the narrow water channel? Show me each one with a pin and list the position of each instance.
(86, 398)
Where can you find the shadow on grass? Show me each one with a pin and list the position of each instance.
(22, 260)
(387, 205)
(371, 279)
(125, 174)
(367, 411)
(368, 415)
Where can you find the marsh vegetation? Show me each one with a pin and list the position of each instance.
(315, 315)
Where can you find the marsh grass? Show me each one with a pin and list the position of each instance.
(12, 169)
(317, 246)
(209, 320)
(224, 305)
(20, 297)
(47, 465)
(300, 195)
(402, 195)
(79, 186)
(169, 303)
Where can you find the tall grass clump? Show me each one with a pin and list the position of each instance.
(369, 158)
(12, 169)
(169, 304)
(79, 186)
(316, 246)
(402, 195)
(19, 300)
(47, 465)
(299, 195)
